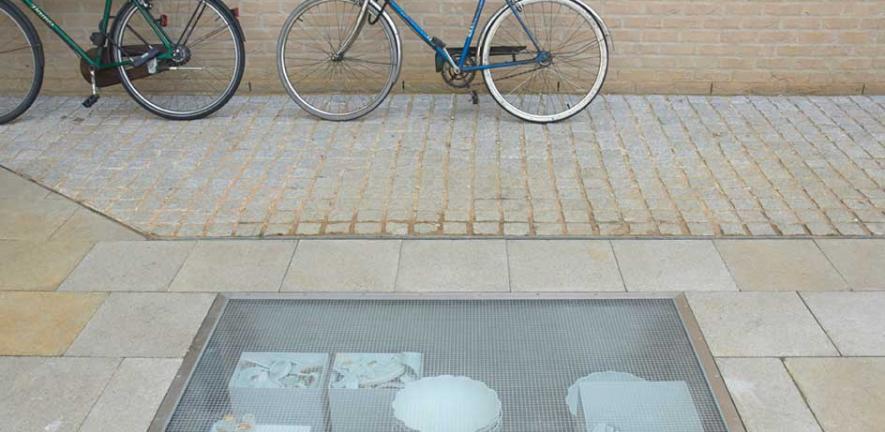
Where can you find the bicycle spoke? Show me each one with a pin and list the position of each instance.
(506, 77)
(207, 36)
(367, 61)
(191, 24)
(138, 35)
(192, 81)
(564, 77)
(12, 50)
(329, 87)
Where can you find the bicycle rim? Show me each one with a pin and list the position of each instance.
(20, 74)
(552, 90)
(337, 89)
(205, 74)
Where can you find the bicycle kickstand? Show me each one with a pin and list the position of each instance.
(93, 98)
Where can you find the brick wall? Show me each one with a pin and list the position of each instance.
(661, 46)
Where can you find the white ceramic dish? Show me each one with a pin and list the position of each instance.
(375, 370)
(572, 398)
(448, 404)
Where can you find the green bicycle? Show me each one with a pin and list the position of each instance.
(179, 59)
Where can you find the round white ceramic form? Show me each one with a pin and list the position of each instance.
(572, 397)
(448, 404)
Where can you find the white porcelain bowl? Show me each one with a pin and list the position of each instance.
(448, 404)
(572, 398)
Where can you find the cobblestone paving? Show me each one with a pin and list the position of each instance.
(437, 165)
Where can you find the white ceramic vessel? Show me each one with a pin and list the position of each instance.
(448, 404)
(572, 398)
(375, 370)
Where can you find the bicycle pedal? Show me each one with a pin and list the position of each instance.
(90, 101)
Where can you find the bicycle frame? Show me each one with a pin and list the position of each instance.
(97, 63)
(461, 64)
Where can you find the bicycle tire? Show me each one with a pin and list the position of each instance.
(301, 98)
(603, 43)
(33, 39)
(122, 18)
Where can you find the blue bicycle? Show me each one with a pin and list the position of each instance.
(541, 60)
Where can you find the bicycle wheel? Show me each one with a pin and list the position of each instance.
(207, 64)
(559, 85)
(22, 57)
(337, 89)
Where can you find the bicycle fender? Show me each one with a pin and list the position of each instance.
(221, 5)
(605, 31)
(374, 8)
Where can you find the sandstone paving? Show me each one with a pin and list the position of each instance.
(43, 324)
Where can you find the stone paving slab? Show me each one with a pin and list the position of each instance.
(860, 263)
(672, 265)
(765, 395)
(50, 394)
(132, 396)
(33, 220)
(437, 165)
(563, 265)
(250, 265)
(846, 394)
(129, 266)
(363, 265)
(759, 325)
(43, 324)
(143, 325)
(85, 225)
(36, 265)
(13, 187)
(343, 265)
(453, 266)
(779, 265)
(854, 321)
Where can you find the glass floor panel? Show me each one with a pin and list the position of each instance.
(594, 365)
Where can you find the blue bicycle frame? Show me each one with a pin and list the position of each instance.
(461, 64)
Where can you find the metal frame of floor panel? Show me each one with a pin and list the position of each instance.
(483, 305)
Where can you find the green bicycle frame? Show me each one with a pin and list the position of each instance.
(97, 63)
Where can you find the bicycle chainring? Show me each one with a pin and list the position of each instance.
(459, 80)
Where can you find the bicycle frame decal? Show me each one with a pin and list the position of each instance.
(469, 40)
(103, 27)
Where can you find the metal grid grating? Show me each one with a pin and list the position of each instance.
(529, 351)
